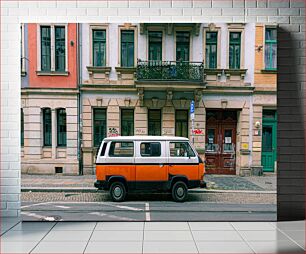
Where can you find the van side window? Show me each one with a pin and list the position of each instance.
(150, 149)
(181, 149)
(103, 149)
(121, 149)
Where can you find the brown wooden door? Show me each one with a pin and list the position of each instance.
(220, 144)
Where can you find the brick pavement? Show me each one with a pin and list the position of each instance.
(218, 182)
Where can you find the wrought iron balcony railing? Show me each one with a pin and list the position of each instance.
(169, 71)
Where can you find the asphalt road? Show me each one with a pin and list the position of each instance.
(157, 207)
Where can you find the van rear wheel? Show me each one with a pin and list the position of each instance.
(117, 191)
(179, 191)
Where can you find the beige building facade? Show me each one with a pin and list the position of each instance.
(44, 155)
(219, 72)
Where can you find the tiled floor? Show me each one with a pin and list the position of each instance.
(152, 237)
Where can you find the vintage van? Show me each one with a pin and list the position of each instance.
(148, 163)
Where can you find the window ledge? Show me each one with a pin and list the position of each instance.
(128, 70)
(269, 71)
(235, 71)
(98, 69)
(212, 71)
(52, 73)
(87, 149)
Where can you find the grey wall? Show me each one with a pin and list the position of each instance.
(290, 14)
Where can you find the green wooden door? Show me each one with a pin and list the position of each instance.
(269, 146)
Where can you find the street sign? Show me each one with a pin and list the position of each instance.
(192, 118)
(192, 107)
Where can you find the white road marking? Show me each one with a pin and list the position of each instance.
(148, 216)
(93, 202)
(97, 213)
(33, 215)
(61, 206)
(44, 203)
(125, 207)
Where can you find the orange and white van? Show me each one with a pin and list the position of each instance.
(153, 163)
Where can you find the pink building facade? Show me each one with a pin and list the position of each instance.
(49, 112)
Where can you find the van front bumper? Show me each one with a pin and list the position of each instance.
(203, 184)
(100, 184)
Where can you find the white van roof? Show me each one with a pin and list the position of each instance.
(155, 138)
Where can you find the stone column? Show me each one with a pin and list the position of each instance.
(257, 136)
(199, 126)
(87, 143)
(141, 120)
(32, 130)
(113, 118)
(168, 120)
(245, 144)
(54, 133)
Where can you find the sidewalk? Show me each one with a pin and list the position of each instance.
(85, 183)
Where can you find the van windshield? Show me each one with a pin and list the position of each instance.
(181, 149)
(103, 149)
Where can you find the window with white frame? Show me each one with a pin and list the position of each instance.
(182, 46)
(236, 48)
(52, 55)
(270, 48)
(127, 48)
(155, 45)
(211, 48)
(99, 47)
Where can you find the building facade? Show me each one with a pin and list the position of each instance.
(140, 79)
(49, 113)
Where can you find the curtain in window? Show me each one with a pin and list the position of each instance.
(127, 122)
(154, 122)
(127, 48)
(181, 123)
(99, 125)
(61, 127)
(155, 46)
(47, 127)
(270, 48)
(211, 50)
(22, 127)
(234, 50)
(99, 47)
(60, 48)
(45, 40)
(182, 46)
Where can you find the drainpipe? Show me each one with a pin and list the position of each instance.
(79, 102)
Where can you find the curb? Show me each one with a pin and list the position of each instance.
(94, 190)
(59, 189)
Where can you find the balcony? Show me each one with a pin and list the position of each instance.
(169, 71)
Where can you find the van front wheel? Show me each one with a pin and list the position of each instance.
(117, 191)
(179, 191)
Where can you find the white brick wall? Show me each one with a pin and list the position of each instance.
(286, 12)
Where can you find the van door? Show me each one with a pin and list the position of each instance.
(151, 168)
(120, 161)
(183, 160)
